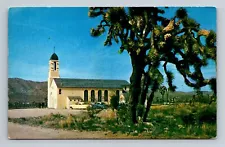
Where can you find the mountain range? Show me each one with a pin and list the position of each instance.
(20, 90)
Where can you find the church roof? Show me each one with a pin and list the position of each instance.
(89, 83)
(54, 57)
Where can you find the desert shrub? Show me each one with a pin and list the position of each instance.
(69, 120)
(207, 114)
(89, 124)
(140, 109)
(188, 118)
(92, 112)
(186, 114)
(204, 99)
(107, 114)
(63, 124)
(114, 102)
(53, 117)
(123, 114)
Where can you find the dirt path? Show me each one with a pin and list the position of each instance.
(17, 131)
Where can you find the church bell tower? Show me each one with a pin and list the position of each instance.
(53, 72)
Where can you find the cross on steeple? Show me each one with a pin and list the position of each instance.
(54, 49)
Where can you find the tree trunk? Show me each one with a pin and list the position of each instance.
(149, 103)
(135, 84)
(143, 96)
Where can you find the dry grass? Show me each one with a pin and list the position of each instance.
(107, 114)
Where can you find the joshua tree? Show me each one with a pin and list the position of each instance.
(163, 90)
(152, 40)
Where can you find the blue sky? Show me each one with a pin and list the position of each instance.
(33, 33)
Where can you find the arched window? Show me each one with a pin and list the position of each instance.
(92, 95)
(99, 95)
(117, 93)
(106, 95)
(85, 95)
(60, 91)
(54, 65)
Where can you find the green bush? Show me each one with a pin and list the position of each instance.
(207, 114)
(92, 112)
(114, 102)
(123, 114)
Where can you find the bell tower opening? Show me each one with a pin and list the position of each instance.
(54, 65)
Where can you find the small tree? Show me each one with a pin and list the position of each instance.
(114, 102)
(162, 91)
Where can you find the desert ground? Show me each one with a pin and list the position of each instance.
(17, 113)
(18, 131)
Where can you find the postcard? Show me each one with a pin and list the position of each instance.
(112, 73)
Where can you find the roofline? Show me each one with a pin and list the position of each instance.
(93, 87)
(97, 87)
(92, 79)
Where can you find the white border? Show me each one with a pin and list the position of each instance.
(5, 4)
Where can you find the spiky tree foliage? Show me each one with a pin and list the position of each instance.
(152, 40)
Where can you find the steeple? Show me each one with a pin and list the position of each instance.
(54, 56)
(53, 72)
(54, 66)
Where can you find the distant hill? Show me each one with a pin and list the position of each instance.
(20, 90)
(180, 96)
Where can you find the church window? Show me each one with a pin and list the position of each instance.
(92, 95)
(54, 65)
(99, 95)
(106, 95)
(86, 95)
(60, 91)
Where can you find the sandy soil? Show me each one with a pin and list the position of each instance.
(17, 113)
(18, 131)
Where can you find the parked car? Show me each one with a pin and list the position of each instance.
(99, 105)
